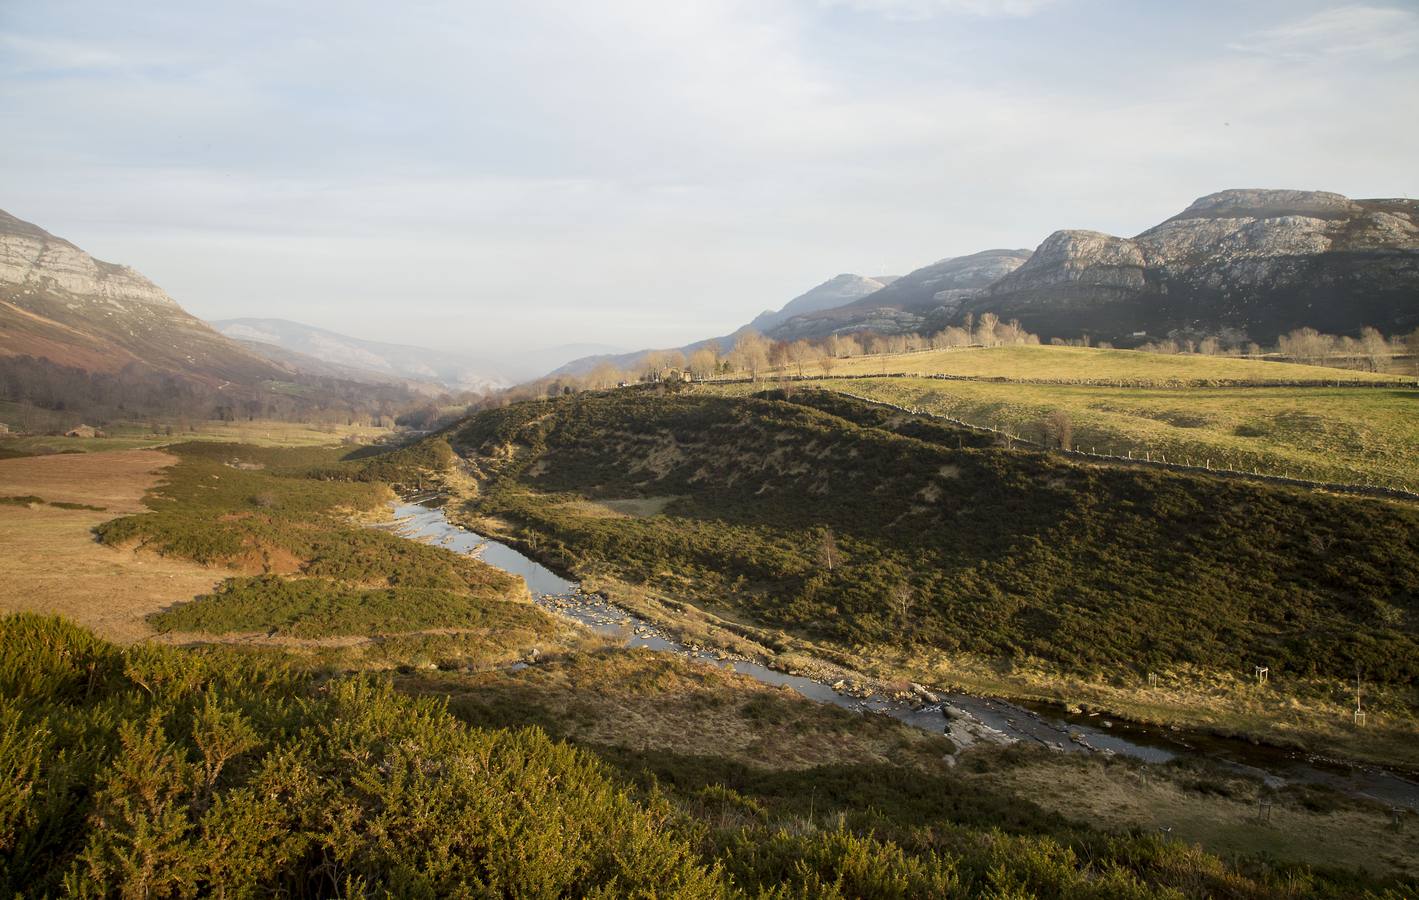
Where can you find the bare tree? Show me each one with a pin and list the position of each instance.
(985, 330)
(1375, 348)
(826, 362)
(828, 550)
(1059, 429)
(751, 354)
(902, 597)
(703, 362)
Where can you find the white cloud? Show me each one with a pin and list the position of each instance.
(918, 10)
(1380, 32)
(635, 171)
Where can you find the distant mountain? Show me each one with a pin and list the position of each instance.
(1252, 263)
(906, 303)
(836, 291)
(278, 338)
(839, 290)
(97, 340)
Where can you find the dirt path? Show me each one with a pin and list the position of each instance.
(52, 564)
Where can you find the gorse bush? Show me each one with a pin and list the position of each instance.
(321, 607)
(287, 512)
(163, 773)
(157, 772)
(954, 546)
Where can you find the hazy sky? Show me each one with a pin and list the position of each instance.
(644, 172)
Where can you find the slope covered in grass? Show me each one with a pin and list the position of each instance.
(1346, 435)
(1005, 554)
(1086, 364)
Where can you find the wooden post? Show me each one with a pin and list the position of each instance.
(1261, 673)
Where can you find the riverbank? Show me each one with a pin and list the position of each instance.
(683, 628)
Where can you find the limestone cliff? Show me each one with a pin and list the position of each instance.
(1259, 262)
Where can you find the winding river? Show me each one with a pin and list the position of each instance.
(965, 718)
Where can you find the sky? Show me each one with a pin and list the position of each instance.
(490, 177)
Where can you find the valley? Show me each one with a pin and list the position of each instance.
(726, 766)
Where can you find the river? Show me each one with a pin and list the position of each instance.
(965, 718)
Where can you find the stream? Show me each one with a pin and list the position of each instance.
(965, 718)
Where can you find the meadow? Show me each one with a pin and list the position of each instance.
(129, 436)
(1345, 435)
(1093, 365)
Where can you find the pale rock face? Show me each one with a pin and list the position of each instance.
(1251, 203)
(1259, 262)
(30, 256)
(1082, 256)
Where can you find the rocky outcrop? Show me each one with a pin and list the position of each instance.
(1257, 262)
(32, 257)
(59, 303)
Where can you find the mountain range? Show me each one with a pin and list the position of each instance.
(1246, 264)
(95, 339)
(312, 348)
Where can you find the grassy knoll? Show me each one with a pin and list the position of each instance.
(942, 549)
(1076, 364)
(1349, 435)
(283, 518)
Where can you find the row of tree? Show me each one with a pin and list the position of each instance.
(1371, 351)
(753, 354)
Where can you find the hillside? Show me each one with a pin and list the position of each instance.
(92, 339)
(1250, 263)
(837, 291)
(913, 302)
(833, 293)
(943, 544)
(276, 339)
(1087, 364)
(59, 303)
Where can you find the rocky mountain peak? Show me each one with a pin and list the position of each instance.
(32, 258)
(1261, 203)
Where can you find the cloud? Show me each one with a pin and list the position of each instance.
(635, 171)
(1379, 32)
(919, 10)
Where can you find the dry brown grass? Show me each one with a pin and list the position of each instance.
(641, 700)
(1218, 812)
(52, 564)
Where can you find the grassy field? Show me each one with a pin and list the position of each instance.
(1348, 435)
(51, 562)
(258, 433)
(1075, 364)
